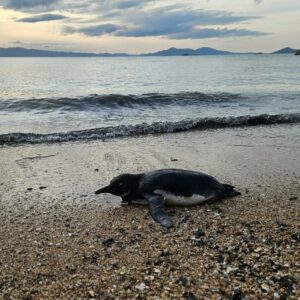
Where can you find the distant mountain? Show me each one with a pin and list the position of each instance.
(286, 50)
(187, 51)
(22, 52)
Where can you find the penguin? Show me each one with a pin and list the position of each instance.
(168, 187)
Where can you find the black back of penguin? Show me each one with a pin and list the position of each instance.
(178, 182)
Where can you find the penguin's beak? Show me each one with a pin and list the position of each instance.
(106, 189)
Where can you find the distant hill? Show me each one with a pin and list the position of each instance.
(187, 51)
(22, 52)
(286, 50)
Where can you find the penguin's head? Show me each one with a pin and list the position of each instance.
(121, 185)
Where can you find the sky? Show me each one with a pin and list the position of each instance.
(142, 26)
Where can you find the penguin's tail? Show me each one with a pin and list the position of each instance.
(228, 190)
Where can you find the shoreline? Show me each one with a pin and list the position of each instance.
(144, 129)
(61, 241)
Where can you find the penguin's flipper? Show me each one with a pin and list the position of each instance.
(157, 211)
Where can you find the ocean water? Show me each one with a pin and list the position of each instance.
(61, 99)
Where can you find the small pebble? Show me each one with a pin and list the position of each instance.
(141, 287)
(91, 293)
(182, 280)
(199, 233)
(189, 296)
(238, 295)
(265, 287)
(108, 242)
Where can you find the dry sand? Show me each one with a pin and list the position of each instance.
(60, 241)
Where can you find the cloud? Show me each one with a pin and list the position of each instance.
(103, 8)
(30, 5)
(42, 18)
(166, 21)
(215, 33)
(173, 15)
(137, 18)
(97, 30)
(83, 6)
(122, 4)
(172, 22)
(172, 34)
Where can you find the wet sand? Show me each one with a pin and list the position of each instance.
(60, 241)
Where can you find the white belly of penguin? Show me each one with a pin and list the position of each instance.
(172, 199)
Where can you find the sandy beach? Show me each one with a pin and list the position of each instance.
(60, 241)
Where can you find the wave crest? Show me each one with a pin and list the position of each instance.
(145, 129)
(96, 102)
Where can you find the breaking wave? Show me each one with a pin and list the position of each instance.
(145, 129)
(97, 102)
